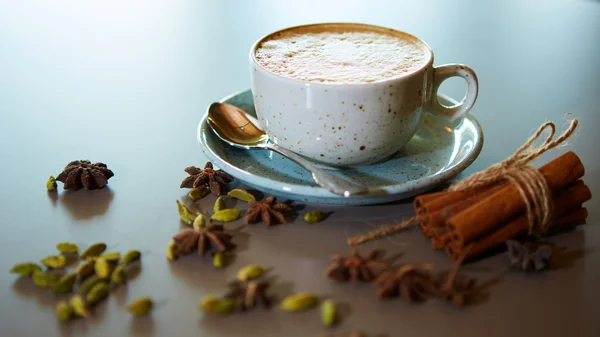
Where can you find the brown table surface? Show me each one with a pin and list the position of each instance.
(125, 83)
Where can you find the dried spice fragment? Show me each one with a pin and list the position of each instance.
(83, 174)
(185, 213)
(171, 251)
(97, 293)
(454, 288)
(217, 306)
(328, 313)
(65, 284)
(103, 267)
(118, 275)
(93, 251)
(529, 257)
(44, 279)
(219, 204)
(299, 302)
(411, 282)
(241, 195)
(266, 211)
(63, 310)
(198, 193)
(199, 222)
(217, 180)
(79, 306)
(51, 184)
(356, 267)
(218, 260)
(250, 272)
(315, 216)
(226, 215)
(25, 269)
(247, 295)
(67, 248)
(201, 240)
(141, 306)
(88, 284)
(112, 257)
(131, 256)
(54, 261)
(86, 268)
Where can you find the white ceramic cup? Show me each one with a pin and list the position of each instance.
(353, 124)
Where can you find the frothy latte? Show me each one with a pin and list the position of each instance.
(341, 54)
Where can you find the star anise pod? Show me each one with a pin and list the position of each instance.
(83, 174)
(355, 267)
(216, 180)
(453, 287)
(202, 239)
(411, 282)
(249, 294)
(266, 211)
(529, 257)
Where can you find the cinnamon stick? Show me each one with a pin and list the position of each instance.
(567, 207)
(440, 241)
(495, 210)
(573, 219)
(434, 201)
(432, 215)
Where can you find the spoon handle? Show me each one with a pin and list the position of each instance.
(332, 182)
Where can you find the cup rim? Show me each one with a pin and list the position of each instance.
(376, 27)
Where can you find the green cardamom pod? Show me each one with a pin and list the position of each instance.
(88, 284)
(131, 256)
(86, 268)
(65, 284)
(241, 195)
(44, 280)
(185, 214)
(54, 261)
(218, 260)
(217, 306)
(250, 272)
(25, 269)
(79, 306)
(93, 251)
(299, 302)
(51, 184)
(198, 192)
(315, 216)
(67, 248)
(226, 215)
(97, 293)
(199, 221)
(171, 251)
(328, 313)
(141, 306)
(113, 257)
(219, 204)
(64, 312)
(103, 267)
(118, 275)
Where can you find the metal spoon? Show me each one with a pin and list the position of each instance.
(233, 126)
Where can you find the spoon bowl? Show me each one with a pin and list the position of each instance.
(233, 126)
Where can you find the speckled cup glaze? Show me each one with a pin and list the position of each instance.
(353, 124)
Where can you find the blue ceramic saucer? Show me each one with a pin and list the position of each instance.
(438, 152)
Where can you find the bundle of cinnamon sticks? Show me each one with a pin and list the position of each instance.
(482, 219)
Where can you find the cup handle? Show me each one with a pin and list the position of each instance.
(440, 74)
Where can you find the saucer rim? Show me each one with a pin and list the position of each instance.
(315, 191)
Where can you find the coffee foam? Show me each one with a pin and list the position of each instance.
(345, 57)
